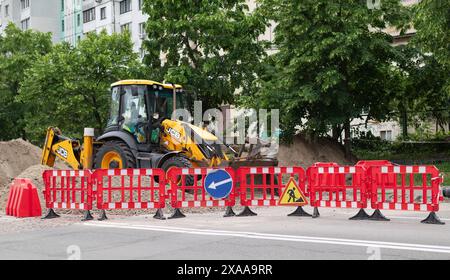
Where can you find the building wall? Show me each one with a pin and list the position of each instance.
(41, 17)
(72, 15)
(114, 20)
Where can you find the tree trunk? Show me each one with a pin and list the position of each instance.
(347, 140)
(404, 123)
(336, 131)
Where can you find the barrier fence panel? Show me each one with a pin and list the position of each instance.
(188, 190)
(67, 190)
(130, 189)
(262, 186)
(413, 188)
(337, 187)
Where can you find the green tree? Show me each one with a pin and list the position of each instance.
(334, 63)
(69, 87)
(211, 47)
(18, 50)
(432, 21)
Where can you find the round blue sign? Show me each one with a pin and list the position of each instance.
(218, 184)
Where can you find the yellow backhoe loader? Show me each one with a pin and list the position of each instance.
(140, 134)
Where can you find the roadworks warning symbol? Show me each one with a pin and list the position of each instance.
(292, 195)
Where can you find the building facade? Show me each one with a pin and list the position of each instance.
(71, 17)
(39, 15)
(115, 16)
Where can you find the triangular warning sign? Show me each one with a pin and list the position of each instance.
(292, 195)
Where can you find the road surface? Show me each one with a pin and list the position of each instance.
(270, 235)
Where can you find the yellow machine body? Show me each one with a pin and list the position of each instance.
(180, 136)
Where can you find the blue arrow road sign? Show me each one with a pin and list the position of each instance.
(218, 184)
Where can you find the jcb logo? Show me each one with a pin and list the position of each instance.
(174, 133)
(62, 152)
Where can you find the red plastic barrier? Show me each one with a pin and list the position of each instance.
(23, 200)
(414, 188)
(130, 188)
(341, 187)
(272, 182)
(68, 189)
(192, 181)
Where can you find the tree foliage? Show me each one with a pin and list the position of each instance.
(69, 87)
(18, 50)
(210, 47)
(333, 63)
(432, 21)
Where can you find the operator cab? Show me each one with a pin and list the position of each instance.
(139, 106)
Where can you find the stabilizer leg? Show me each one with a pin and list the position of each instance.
(316, 213)
(50, 215)
(177, 214)
(229, 212)
(103, 216)
(87, 216)
(433, 219)
(362, 215)
(159, 215)
(299, 212)
(378, 216)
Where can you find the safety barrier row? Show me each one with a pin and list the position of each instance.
(378, 185)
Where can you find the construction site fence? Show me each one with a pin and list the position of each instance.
(379, 185)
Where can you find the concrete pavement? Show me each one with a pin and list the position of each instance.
(270, 235)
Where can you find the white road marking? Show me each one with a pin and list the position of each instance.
(279, 237)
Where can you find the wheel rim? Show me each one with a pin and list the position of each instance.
(112, 160)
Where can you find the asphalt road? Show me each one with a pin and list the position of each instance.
(270, 235)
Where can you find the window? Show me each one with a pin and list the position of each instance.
(142, 30)
(103, 13)
(386, 135)
(62, 5)
(133, 111)
(7, 11)
(24, 4)
(141, 2)
(25, 24)
(125, 6)
(125, 27)
(78, 20)
(89, 15)
(62, 26)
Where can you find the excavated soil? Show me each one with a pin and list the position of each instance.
(305, 153)
(20, 159)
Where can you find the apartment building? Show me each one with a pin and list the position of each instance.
(115, 16)
(40, 15)
(71, 17)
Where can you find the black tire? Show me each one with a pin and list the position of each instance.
(179, 161)
(119, 147)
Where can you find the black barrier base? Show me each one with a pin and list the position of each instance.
(316, 213)
(246, 212)
(433, 219)
(50, 215)
(87, 216)
(103, 216)
(229, 212)
(378, 216)
(177, 214)
(159, 215)
(362, 215)
(299, 212)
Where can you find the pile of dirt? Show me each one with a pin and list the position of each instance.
(20, 159)
(305, 153)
